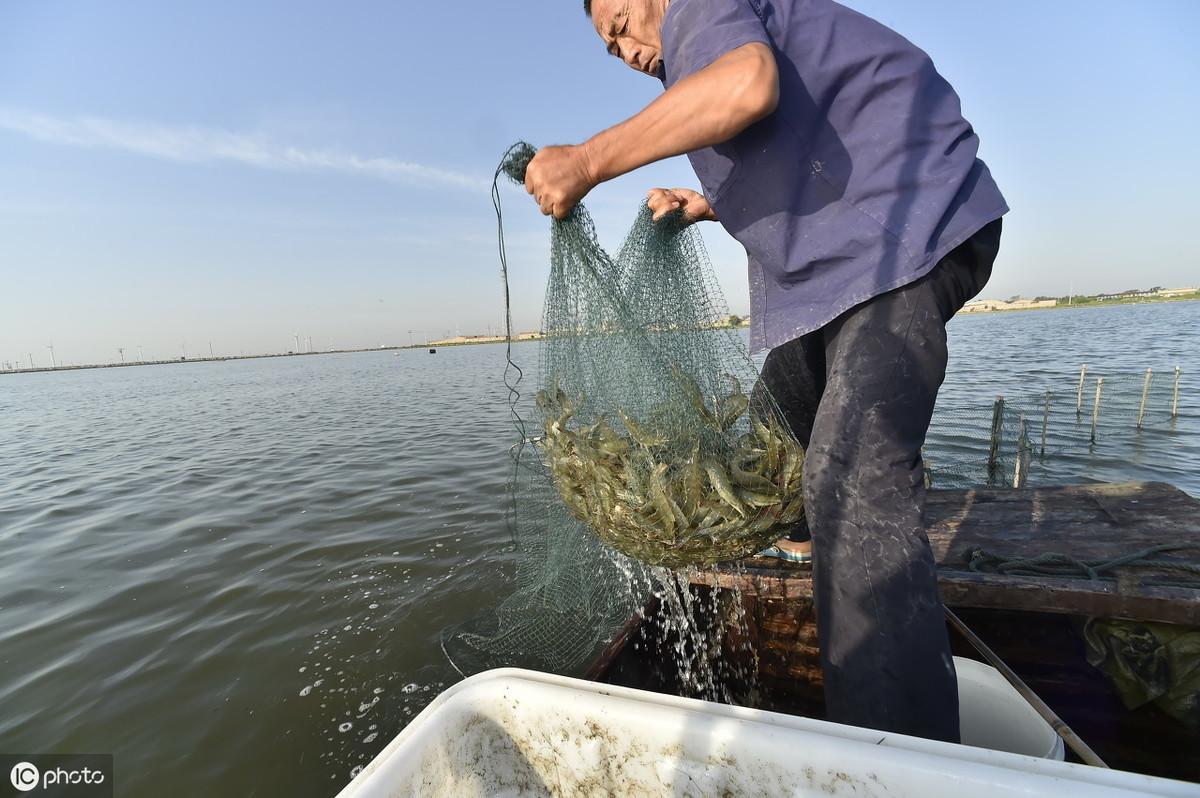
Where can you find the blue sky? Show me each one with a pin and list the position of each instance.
(178, 173)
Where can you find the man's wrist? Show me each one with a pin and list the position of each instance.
(593, 161)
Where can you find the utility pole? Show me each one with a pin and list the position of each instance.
(53, 362)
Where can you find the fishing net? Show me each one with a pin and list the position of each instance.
(645, 420)
(650, 444)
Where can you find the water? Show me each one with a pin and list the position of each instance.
(233, 575)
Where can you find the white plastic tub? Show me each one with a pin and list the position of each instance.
(992, 714)
(520, 733)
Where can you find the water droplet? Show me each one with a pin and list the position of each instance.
(306, 690)
(409, 688)
(345, 727)
(370, 738)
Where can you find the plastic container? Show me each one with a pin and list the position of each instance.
(992, 714)
(509, 732)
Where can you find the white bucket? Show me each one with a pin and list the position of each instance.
(521, 733)
(992, 714)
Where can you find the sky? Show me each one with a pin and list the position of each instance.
(175, 175)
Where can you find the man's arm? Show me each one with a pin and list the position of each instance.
(707, 107)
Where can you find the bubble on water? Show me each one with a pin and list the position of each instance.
(370, 738)
(409, 688)
(319, 682)
(357, 769)
(306, 690)
(377, 690)
(303, 668)
(345, 727)
(373, 607)
(346, 628)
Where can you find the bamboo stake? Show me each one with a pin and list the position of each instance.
(1073, 741)
(1020, 472)
(1175, 396)
(997, 430)
(1096, 407)
(1079, 396)
(1045, 422)
(1145, 394)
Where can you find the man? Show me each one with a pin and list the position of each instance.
(829, 147)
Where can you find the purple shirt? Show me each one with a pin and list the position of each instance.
(862, 179)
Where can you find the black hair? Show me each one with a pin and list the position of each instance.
(587, 7)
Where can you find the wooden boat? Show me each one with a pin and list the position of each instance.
(1035, 623)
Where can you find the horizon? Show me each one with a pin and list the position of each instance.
(174, 176)
(12, 365)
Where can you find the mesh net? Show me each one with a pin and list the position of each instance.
(653, 446)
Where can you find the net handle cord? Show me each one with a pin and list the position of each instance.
(513, 164)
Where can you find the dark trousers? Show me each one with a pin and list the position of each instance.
(859, 395)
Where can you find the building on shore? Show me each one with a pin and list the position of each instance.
(484, 339)
(987, 305)
(1171, 292)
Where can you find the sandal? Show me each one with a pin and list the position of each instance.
(787, 556)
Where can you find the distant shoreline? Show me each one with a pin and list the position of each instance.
(185, 360)
(501, 339)
(1094, 303)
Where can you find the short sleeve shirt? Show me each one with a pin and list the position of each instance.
(861, 180)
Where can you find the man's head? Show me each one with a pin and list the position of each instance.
(631, 30)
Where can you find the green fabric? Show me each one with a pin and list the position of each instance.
(1149, 663)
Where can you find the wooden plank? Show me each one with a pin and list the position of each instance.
(1084, 521)
(1070, 597)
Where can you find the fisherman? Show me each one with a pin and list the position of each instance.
(833, 151)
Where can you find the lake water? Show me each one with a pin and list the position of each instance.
(233, 576)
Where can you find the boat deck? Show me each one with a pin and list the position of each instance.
(1087, 522)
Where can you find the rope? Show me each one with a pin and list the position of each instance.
(1064, 565)
(513, 164)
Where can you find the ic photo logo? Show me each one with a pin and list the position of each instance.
(25, 776)
(65, 775)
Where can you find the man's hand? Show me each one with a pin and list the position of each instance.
(666, 200)
(558, 178)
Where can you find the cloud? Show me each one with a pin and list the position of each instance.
(204, 145)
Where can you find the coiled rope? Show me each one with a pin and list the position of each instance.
(1064, 565)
